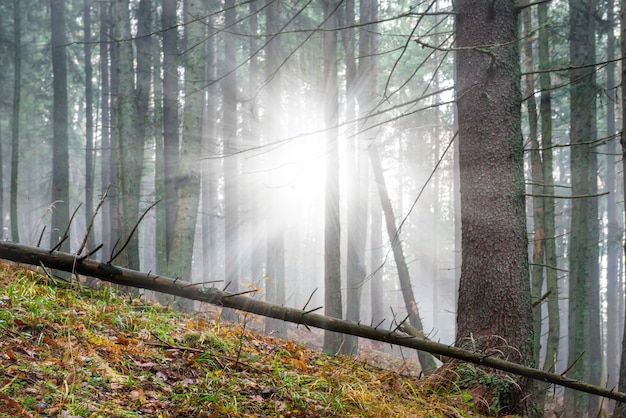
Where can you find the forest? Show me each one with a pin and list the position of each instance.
(452, 169)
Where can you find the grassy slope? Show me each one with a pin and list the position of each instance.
(73, 352)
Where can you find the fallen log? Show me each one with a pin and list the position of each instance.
(126, 277)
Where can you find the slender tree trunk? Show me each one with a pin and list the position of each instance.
(366, 99)
(620, 408)
(188, 176)
(170, 120)
(231, 163)
(549, 240)
(60, 139)
(332, 229)
(426, 360)
(494, 236)
(275, 225)
(15, 117)
(128, 143)
(357, 205)
(613, 230)
(89, 149)
(584, 351)
(209, 165)
(105, 128)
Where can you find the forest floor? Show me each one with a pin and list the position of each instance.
(69, 351)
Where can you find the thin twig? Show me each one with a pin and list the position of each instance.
(91, 221)
(145, 212)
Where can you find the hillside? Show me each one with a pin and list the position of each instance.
(69, 351)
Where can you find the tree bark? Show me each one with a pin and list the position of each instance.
(106, 180)
(128, 144)
(231, 142)
(332, 233)
(60, 139)
(171, 142)
(620, 408)
(494, 240)
(584, 316)
(188, 175)
(15, 117)
(89, 148)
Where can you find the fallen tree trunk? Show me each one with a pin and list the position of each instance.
(118, 275)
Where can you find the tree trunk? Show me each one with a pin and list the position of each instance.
(171, 141)
(494, 241)
(128, 143)
(275, 224)
(105, 132)
(550, 257)
(584, 316)
(357, 205)
(332, 229)
(620, 408)
(60, 139)
(188, 176)
(426, 361)
(15, 117)
(209, 165)
(613, 229)
(89, 148)
(231, 162)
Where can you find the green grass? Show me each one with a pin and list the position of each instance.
(70, 351)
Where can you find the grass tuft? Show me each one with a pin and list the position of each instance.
(76, 352)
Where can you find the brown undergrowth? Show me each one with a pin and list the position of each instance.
(68, 351)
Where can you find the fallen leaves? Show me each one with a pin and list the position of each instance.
(67, 353)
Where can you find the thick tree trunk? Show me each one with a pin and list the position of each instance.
(494, 309)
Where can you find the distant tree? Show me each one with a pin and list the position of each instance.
(60, 135)
(583, 313)
(89, 117)
(356, 163)
(548, 239)
(426, 360)
(230, 138)
(107, 166)
(494, 310)
(171, 141)
(15, 117)
(275, 224)
(620, 408)
(188, 175)
(614, 233)
(128, 143)
(332, 230)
